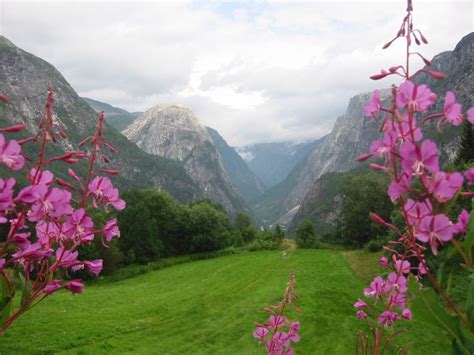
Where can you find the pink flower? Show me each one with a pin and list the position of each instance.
(6, 197)
(79, 226)
(10, 154)
(44, 177)
(402, 266)
(275, 322)
(397, 188)
(462, 223)
(361, 314)
(445, 185)
(470, 115)
(282, 339)
(260, 333)
(383, 148)
(383, 261)
(415, 98)
(406, 313)
(360, 304)
(414, 160)
(105, 194)
(435, 229)
(373, 105)
(52, 286)
(416, 211)
(375, 289)
(387, 318)
(111, 230)
(33, 251)
(396, 282)
(397, 299)
(48, 233)
(94, 266)
(74, 286)
(406, 129)
(52, 203)
(67, 259)
(295, 326)
(452, 110)
(469, 174)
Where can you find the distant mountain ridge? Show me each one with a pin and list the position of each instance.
(272, 162)
(175, 132)
(115, 116)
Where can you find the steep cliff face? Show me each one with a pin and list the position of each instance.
(174, 132)
(25, 78)
(247, 183)
(352, 133)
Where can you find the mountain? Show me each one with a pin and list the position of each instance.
(353, 134)
(247, 183)
(116, 117)
(174, 132)
(25, 78)
(272, 162)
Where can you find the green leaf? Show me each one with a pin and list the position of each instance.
(426, 306)
(470, 300)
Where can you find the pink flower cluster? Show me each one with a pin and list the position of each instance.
(279, 333)
(278, 341)
(48, 219)
(418, 185)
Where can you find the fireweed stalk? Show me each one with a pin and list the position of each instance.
(48, 220)
(279, 332)
(418, 186)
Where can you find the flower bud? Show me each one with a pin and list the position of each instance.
(363, 157)
(15, 128)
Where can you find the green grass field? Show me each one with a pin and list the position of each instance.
(206, 307)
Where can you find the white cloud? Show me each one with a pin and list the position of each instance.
(254, 70)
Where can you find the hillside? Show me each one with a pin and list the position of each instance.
(25, 78)
(247, 183)
(207, 307)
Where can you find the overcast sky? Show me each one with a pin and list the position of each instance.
(257, 71)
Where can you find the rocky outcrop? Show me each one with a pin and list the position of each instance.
(174, 132)
(25, 78)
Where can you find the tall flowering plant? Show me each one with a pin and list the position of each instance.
(278, 333)
(424, 194)
(47, 220)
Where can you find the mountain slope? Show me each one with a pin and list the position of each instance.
(25, 78)
(115, 116)
(174, 132)
(272, 162)
(246, 182)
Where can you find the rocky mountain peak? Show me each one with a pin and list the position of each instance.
(175, 132)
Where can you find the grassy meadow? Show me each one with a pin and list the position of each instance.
(210, 307)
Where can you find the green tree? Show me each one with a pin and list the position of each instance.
(361, 195)
(306, 236)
